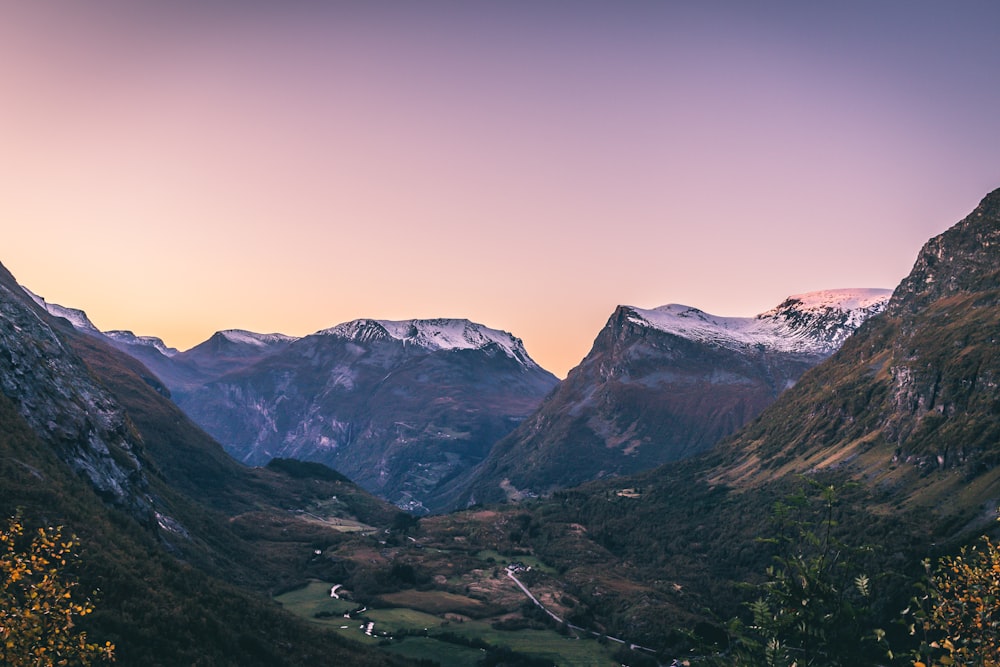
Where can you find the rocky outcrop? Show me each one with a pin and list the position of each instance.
(961, 260)
(56, 395)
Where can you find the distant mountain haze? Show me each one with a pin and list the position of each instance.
(418, 410)
(399, 407)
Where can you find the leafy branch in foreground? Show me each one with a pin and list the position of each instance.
(815, 607)
(37, 609)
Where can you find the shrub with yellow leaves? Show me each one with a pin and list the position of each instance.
(37, 606)
(962, 619)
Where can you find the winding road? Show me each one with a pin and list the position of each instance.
(557, 619)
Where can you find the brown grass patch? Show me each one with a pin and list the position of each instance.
(435, 602)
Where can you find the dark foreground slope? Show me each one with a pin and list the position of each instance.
(182, 578)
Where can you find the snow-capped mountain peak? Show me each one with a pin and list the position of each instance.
(811, 323)
(848, 299)
(129, 338)
(432, 334)
(827, 317)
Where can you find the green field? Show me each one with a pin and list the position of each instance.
(564, 651)
(448, 655)
(396, 621)
(315, 599)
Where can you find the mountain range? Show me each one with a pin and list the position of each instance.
(417, 411)
(399, 407)
(880, 459)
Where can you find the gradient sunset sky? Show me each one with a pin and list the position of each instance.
(177, 168)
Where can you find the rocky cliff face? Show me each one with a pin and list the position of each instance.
(962, 260)
(661, 385)
(943, 366)
(56, 395)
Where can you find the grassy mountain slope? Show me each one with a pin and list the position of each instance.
(911, 402)
(158, 609)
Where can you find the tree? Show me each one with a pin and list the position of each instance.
(404, 522)
(815, 607)
(37, 607)
(962, 624)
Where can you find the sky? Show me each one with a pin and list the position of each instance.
(178, 168)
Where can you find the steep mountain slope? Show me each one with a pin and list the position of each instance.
(173, 531)
(914, 392)
(58, 398)
(664, 384)
(224, 352)
(400, 407)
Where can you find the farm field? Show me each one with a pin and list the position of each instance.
(447, 655)
(444, 636)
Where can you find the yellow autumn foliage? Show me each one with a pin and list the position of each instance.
(966, 608)
(37, 605)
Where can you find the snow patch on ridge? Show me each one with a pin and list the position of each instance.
(433, 334)
(128, 338)
(858, 301)
(76, 317)
(81, 322)
(811, 323)
(243, 337)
